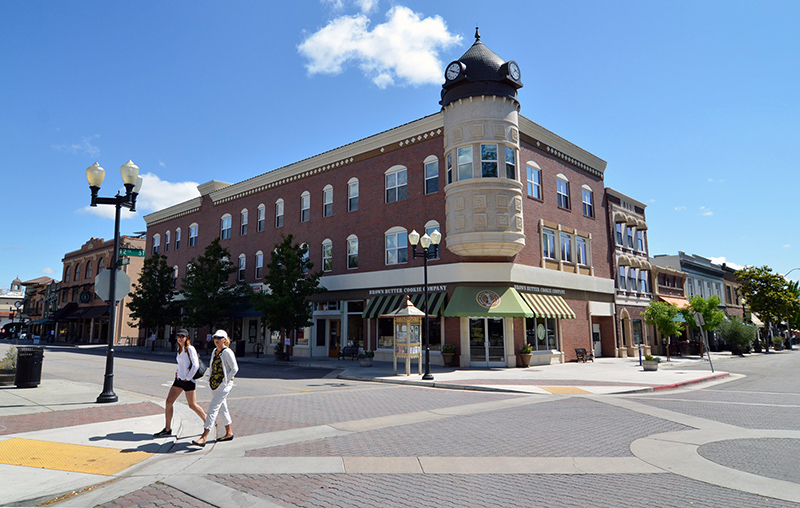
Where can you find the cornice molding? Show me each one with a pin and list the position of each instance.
(557, 146)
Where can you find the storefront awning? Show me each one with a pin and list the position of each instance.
(64, 313)
(487, 302)
(43, 321)
(756, 321)
(385, 304)
(674, 300)
(95, 312)
(549, 306)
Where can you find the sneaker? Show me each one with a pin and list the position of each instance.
(163, 433)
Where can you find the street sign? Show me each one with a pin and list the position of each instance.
(139, 253)
(124, 261)
(101, 283)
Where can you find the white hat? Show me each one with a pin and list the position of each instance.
(221, 334)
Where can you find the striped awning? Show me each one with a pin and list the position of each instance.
(385, 304)
(549, 306)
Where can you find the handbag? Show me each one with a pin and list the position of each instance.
(201, 368)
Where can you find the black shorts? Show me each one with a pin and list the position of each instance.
(187, 386)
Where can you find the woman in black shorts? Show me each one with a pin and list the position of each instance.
(188, 361)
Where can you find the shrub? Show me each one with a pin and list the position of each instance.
(650, 358)
(9, 361)
(448, 348)
(738, 335)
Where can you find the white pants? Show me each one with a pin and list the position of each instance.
(219, 405)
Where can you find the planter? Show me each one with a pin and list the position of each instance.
(448, 358)
(365, 362)
(525, 359)
(7, 377)
(650, 365)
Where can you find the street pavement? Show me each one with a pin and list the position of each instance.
(57, 446)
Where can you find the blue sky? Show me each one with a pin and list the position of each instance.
(694, 105)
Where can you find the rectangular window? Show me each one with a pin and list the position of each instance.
(327, 257)
(242, 262)
(192, 236)
(177, 239)
(640, 241)
(534, 177)
(566, 248)
(643, 281)
(729, 299)
(449, 168)
(259, 265)
(489, 161)
(305, 208)
(541, 341)
(243, 225)
(432, 177)
(588, 202)
(580, 244)
(431, 249)
(632, 286)
(262, 219)
(562, 192)
(225, 228)
(279, 214)
(166, 242)
(690, 287)
(548, 244)
(352, 253)
(396, 248)
(619, 234)
(396, 186)
(622, 277)
(156, 242)
(465, 163)
(327, 202)
(511, 163)
(352, 196)
(630, 237)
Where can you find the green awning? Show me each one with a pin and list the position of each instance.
(549, 306)
(487, 301)
(385, 304)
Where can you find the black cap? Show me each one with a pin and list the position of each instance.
(183, 331)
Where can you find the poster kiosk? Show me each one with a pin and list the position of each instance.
(407, 335)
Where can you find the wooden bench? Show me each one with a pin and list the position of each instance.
(351, 351)
(583, 355)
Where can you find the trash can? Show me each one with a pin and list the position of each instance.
(29, 367)
(240, 345)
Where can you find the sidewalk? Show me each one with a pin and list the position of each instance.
(74, 444)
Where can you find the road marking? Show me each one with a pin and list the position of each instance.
(290, 388)
(564, 390)
(68, 457)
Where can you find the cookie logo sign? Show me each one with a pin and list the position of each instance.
(488, 299)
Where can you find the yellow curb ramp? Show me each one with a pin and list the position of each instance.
(564, 390)
(68, 457)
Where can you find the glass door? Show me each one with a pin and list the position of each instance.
(487, 342)
(477, 341)
(495, 346)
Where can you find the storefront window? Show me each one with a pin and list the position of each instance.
(436, 333)
(637, 331)
(542, 333)
(385, 333)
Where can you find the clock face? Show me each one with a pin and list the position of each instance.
(513, 69)
(453, 70)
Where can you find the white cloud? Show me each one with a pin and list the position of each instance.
(680, 208)
(84, 147)
(48, 270)
(706, 212)
(787, 246)
(404, 49)
(721, 260)
(156, 194)
(364, 6)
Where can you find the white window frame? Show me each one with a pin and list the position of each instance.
(327, 255)
(465, 159)
(352, 252)
(511, 165)
(449, 168)
(565, 246)
(640, 240)
(549, 244)
(177, 239)
(175, 274)
(562, 191)
(395, 184)
(244, 218)
(305, 206)
(587, 198)
(352, 195)
(395, 246)
(632, 279)
(225, 226)
(242, 267)
(167, 238)
(690, 287)
(327, 201)
(622, 280)
(487, 162)
(534, 184)
(582, 250)
(194, 233)
(279, 213)
(259, 264)
(629, 235)
(261, 222)
(156, 243)
(430, 168)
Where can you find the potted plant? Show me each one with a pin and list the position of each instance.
(777, 343)
(8, 367)
(279, 350)
(651, 362)
(525, 355)
(365, 358)
(448, 353)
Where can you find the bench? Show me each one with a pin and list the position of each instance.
(351, 351)
(583, 355)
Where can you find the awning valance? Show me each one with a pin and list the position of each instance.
(64, 312)
(623, 260)
(674, 300)
(756, 321)
(95, 312)
(487, 302)
(43, 321)
(549, 306)
(385, 304)
(641, 225)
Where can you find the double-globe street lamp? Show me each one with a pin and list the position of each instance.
(430, 250)
(133, 182)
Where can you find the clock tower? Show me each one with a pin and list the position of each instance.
(484, 190)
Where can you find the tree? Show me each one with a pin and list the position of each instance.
(152, 301)
(290, 283)
(209, 296)
(708, 307)
(767, 294)
(662, 315)
(738, 335)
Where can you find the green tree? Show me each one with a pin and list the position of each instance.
(767, 294)
(738, 335)
(290, 283)
(662, 315)
(152, 302)
(794, 316)
(708, 307)
(209, 295)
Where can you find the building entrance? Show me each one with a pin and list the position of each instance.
(487, 342)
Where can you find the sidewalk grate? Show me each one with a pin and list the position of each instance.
(68, 457)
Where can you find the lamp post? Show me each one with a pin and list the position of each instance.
(430, 250)
(133, 182)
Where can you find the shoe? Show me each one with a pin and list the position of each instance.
(163, 433)
(229, 438)
(196, 443)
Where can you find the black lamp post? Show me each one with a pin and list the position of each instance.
(133, 182)
(430, 250)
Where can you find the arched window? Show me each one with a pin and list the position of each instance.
(167, 237)
(175, 276)
(327, 255)
(431, 168)
(534, 179)
(88, 270)
(327, 201)
(396, 184)
(305, 206)
(242, 267)
(225, 227)
(396, 246)
(243, 218)
(259, 264)
(352, 195)
(562, 191)
(193, 234)
(156, 243)
(352, 252)
(262, 217)
(587, 197)
(177, 238)
(430, 227)
(279, 213)
(78, 271)
(66, 273)
(101, 265)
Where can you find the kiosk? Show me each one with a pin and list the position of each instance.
(407, 335)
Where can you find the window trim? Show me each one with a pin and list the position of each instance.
(259, 265)
(244, 219)
(305, 206)
(240, 275)
(261, 218)
(466, 169)
(156, 243)
(398, 188)
(398, 232)
(194, 228)
(327, 255)
(350, 253)
(510, 150)
(352, 198)
(327, 201)
(533, 187)
(177, 238)
(428, 162)
(225, 225)
(562, 198)
(279, 211)
(549, 244)
(588, 206)
(487, 163)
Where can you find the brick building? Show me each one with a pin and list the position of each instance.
(523, 215)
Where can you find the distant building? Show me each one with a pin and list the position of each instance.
(11, 307)
(34, 307)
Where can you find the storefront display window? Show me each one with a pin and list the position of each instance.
(542, 333)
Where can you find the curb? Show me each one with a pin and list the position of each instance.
(692, 381)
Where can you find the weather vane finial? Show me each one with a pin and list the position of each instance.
(477, 34)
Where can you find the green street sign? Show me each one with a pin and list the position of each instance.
(124, 261)
(132, 252)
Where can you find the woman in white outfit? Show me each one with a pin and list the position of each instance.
(187, 366)
(223, 369)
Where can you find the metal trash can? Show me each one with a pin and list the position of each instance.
(240, 345)
(29, 367)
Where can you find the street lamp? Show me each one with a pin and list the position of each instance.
(133, 182)
(430, 250)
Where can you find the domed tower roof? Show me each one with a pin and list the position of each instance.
(480, 71)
